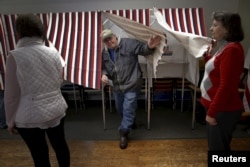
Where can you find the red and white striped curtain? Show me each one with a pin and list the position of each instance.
(2, 67)
(76, 36)
(3, 53)
(190, 20)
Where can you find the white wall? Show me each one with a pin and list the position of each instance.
(20, 6)
(43, 6)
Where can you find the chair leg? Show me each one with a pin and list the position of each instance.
(194, 108)
(110, 100)
(103, 108)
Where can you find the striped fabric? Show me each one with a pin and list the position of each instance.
(3, 53)
(76, 36)
(190, 20)
(7, 42)
(9, 31)
(2, 67)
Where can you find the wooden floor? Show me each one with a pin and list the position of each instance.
(140, 153)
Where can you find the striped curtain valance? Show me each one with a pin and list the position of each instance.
(190, 20)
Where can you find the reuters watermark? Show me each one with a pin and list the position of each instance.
(229, 158)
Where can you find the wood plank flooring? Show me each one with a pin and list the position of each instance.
(140, 153)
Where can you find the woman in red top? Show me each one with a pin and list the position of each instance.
(219, 86)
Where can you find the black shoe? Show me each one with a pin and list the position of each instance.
(123, 139)
(123, 142)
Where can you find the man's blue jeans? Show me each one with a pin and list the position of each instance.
(126, 105)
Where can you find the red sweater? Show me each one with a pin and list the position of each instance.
(220, 83)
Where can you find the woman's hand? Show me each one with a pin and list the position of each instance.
(211, 46)
(211, 120)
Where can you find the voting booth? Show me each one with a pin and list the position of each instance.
(76, 35)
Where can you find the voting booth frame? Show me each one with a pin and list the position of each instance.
(76, 36)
